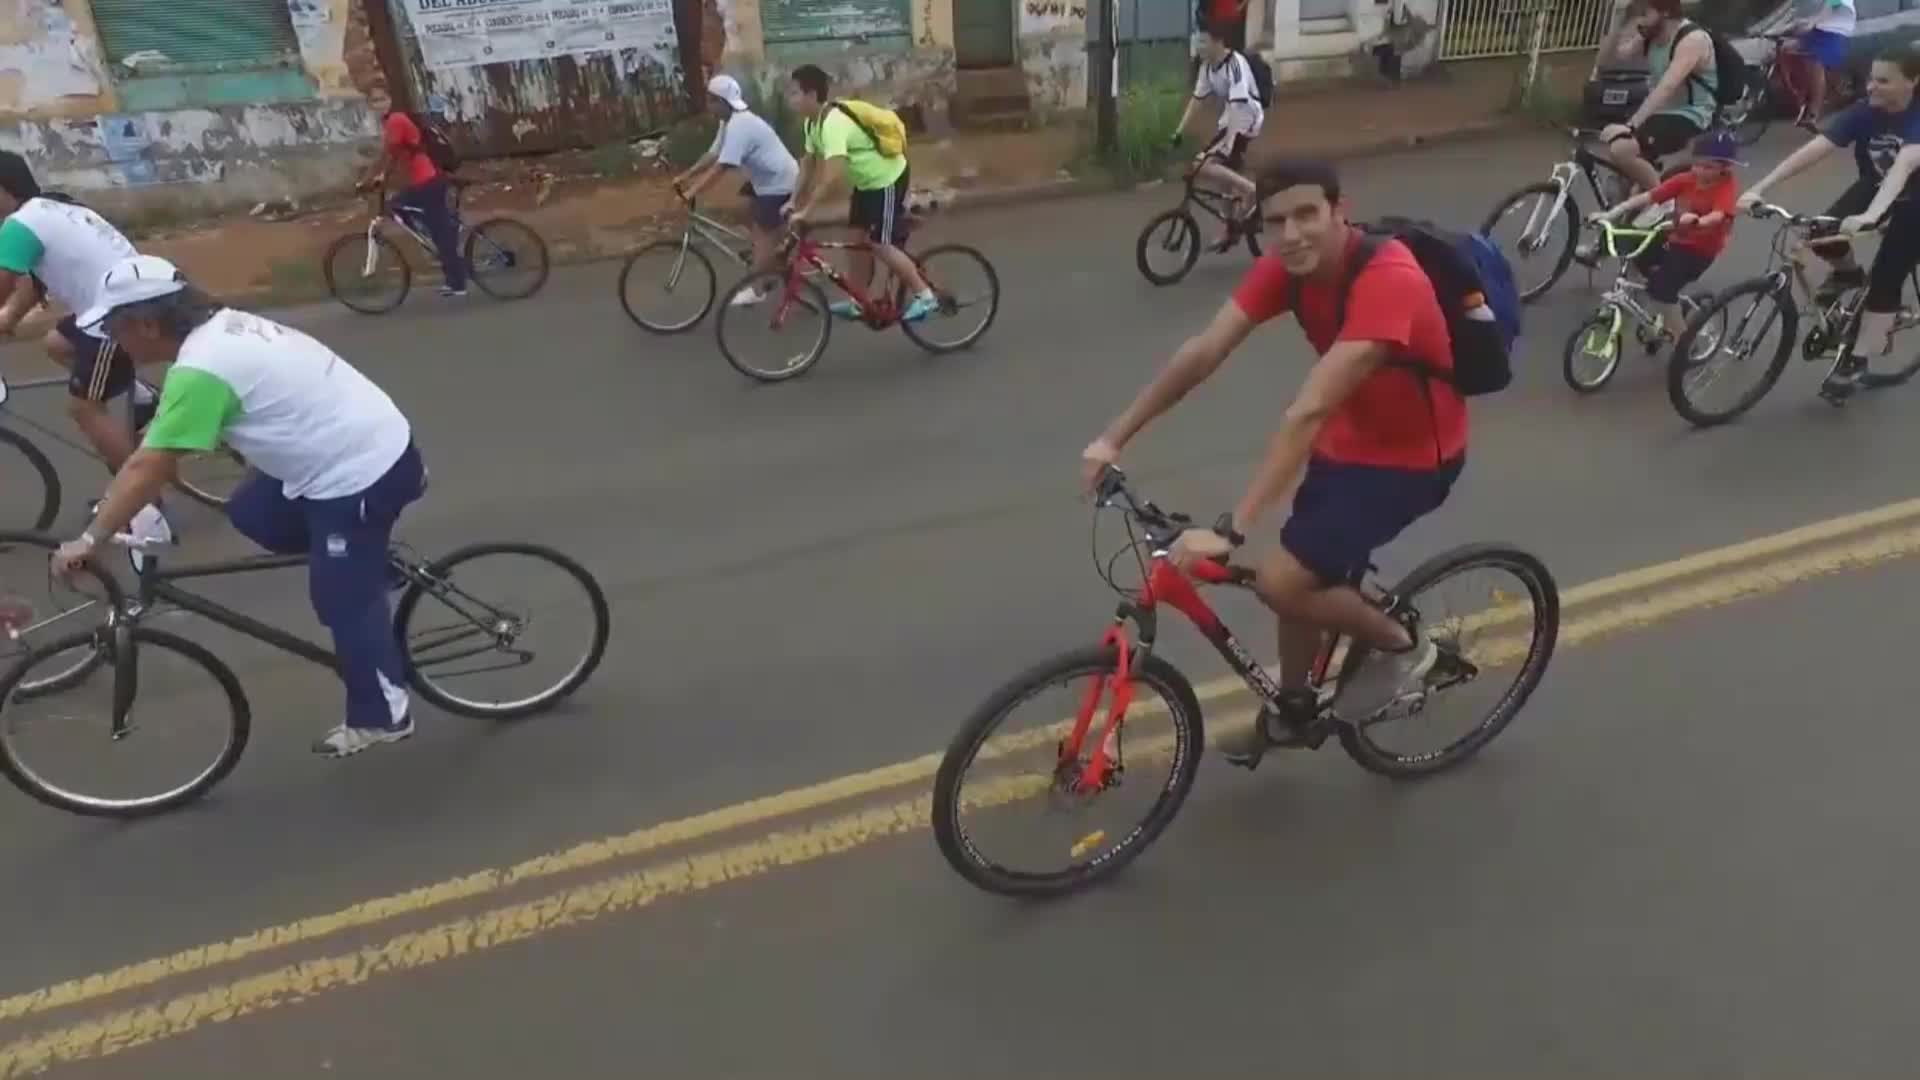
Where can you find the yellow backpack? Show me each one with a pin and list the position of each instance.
(881, 124)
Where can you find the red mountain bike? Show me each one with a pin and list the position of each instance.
(1085, 759)
(791, 310)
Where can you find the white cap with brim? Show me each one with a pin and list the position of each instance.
(727, 89)
(133, 280)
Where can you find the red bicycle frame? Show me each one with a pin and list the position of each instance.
(1167, 584)
(877, 312)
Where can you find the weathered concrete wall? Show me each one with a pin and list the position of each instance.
(919, 76)
(1341, 47)
(1053, 53)
(59, 107)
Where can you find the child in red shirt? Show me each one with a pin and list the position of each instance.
(1703, 199)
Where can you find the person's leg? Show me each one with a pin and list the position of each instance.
(1629, 155)
(1837, 251)
(97, 373)
(863, 217)
(430, 199)
(260, 511)
(1678, 269)
(763, 235)
(890, 240)
(347, 571)
(1893, 265)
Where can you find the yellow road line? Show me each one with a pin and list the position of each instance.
(293, 983)
(789, 803)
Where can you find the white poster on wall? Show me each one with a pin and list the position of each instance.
(469, 33)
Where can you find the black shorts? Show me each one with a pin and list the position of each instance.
(1670, 269)
(1344, 513)
(1230, 148)
(882, 212)
(1665, 134)
(1899, 243)
(101, 370)
(765, 211)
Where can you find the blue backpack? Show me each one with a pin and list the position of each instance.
(1461, 266)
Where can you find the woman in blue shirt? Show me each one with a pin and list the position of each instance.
(1884, 132)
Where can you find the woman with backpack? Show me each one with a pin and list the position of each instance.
(407, 151)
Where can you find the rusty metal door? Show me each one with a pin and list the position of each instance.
(550, 103)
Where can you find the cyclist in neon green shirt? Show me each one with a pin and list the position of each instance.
(879, 189)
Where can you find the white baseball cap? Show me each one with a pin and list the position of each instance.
(132, 280)
(727, 89)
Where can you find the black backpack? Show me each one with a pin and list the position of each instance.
(1730, 70)
(435, 143)
(1262, 78)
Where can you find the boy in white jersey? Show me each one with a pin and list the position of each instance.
(51, 247)
(1225, 74)
(333, 465)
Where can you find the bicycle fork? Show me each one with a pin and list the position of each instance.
(1099, 772)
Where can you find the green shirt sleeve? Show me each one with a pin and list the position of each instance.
(20, 248)
(195, 407)
(833, 133)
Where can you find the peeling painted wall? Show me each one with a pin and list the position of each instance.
(1053, 53)
(1341, 47)
(917, 73)
(59, 105)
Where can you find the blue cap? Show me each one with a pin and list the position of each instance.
(1718, 145)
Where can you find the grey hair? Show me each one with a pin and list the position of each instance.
(178, 314)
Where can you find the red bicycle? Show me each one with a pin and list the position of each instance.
(800, 321)
(1083, 761)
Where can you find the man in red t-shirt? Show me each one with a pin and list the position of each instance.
(1703, 202)
(1366, 448)
(423, 190)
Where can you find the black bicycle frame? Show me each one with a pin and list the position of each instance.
(157, 585)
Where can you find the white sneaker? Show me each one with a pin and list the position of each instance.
(746, 298)
(1384, 677)
(344, 741)
(150, 525)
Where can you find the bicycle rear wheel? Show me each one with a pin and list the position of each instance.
(1889, 373)
(791, 328)
(1089, 857)
(32, 486)
(210, 478)
(51, 737)
(367, 273)
(477, 624)
(969, 295)
(1526, 614)
(1743, 314)
(507, 258)
(667, 287)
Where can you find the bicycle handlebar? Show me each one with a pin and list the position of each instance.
(1765, 210)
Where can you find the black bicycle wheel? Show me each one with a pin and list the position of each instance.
(476, 622)
(35, 605)
(1592, 355)
(1742, 332)
(983, 871)
(1754, 114)
(780, 316)
(507, 258)
(210, 478)
(1894, 376)
(1535, 245)
(1460, 664)
(368, 276)
(969, 293)
(1253, 238)
(26, 771)
(1173, 232)
(668, 286)
(31, 474)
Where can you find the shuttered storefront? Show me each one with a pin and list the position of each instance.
(874, 23)
(197, 35)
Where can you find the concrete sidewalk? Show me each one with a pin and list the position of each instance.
(587, 216)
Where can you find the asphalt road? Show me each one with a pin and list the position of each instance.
(818, 578)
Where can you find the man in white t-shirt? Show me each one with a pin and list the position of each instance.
(1226, 75)
(53, 248)
(750, 144)
(333, 465)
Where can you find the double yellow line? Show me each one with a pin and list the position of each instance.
(1611, 605)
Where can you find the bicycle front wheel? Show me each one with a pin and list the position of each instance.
(181, 738)
(1168, 247)
(1744, 315)
(1065, 851)
(507, 258)
(968, 290)
(1508, 619)
(1592, 355)
(367, 273)
(30, 481)
(466, 614)
(788, 327)
(667, 287)
(1535, 249)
